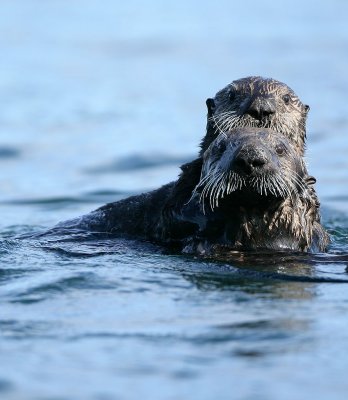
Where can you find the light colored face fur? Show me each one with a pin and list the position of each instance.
(259, 102)
(250, 160)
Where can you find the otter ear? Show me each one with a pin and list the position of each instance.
(211, 106)
(311, 180)
(307, 108)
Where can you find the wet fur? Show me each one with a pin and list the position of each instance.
(279, 214)
(227, 112)
(229, 109)
(273, 209)
(173, 215)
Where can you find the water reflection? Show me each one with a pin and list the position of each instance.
(284, 266)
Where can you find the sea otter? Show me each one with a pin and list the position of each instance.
(257, 102)
(253, 193)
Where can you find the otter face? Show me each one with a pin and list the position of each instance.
(249, 165)
(258, 102)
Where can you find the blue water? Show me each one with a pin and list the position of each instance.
(100, 100)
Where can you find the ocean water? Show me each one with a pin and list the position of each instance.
(101, 100)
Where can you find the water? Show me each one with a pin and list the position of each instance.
(100, 100)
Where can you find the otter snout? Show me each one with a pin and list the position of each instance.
(261, 107)
(249, 160)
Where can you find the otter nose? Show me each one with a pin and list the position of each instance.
(261, 108)
(248, 161)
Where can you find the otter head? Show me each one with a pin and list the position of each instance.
(257, 102)
(250, 167)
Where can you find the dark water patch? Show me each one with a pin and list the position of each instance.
(140, 161)
(213, 274)
(269, 335)
(5, 385)
(227, 268)
(336, 223)
(265, 325)
(36, 286)
(11, 272)
(81, 281)
(82, 251)
(257, 269)
(107, 195)
(76, 243)
(86, 280)
(51, 201)
(260, 331)
(9, 152)
(61, 202)
(185, 374)
(79, 253)
(11, 231)
(17, 330)
(64, 200)
(153, 337)
(249, 353)
(243, 275)
(8, 245)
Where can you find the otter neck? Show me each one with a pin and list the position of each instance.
(279, 225)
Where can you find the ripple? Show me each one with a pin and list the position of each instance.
(9, 245)
(102, 196)
(78, 243)
(256, 266)
(13, 329)
(140, 161)
(51, 200)
(40, 286)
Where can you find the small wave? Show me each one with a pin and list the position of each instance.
(293, 267)
(8, 152)
(42, 285)
(8, 245)
(25, 329)
(48, 200)
(100, 247)
(101, 196)
(66, 243)
(315, 268)
(140, 161)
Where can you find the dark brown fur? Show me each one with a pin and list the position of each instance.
(173, 215)
(271, 216)
(251, 102)
(257, 102)
(272, 205)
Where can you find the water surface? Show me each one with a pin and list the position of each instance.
(103, 100)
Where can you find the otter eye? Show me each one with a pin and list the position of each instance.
(221, 147)
(280, 149)
(286, 98)
(232, 93)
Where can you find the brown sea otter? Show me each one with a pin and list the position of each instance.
(262, 199)
(257, 102)
(253, 193)
(251, 102)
